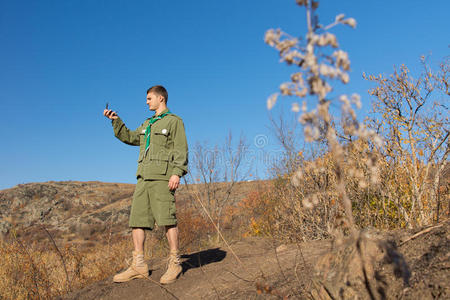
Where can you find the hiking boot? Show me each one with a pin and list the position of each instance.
(173, 268)
(138, 269)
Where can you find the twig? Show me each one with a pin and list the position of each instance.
(278, 261)
(60, 255)
(207, 279)
(307, 266)
(218, 231)
(238, 277)
(420, 233)
(33, 265)
(295, 268)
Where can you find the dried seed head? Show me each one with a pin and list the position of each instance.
(307, 203)
(377, 141)
(285, 45)
(356, 99)
(323, 70)
(297, 177)
(284, 88)
(301, 93)
(308, 133)
(309, 61)
(344, 78)
(342, 60)
(350, 22)
(298, 78)
(344, 100)
(339, 17)
(304, 107)
(321, 41)
(319, 87)
(271, 101)
(311, 133)
(331, 40)
(272, 37)
(323, 111)
(362, 184)
(292, 57)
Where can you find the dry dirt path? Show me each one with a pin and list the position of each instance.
(215, 274)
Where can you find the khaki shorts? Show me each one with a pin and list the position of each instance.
(152, 202)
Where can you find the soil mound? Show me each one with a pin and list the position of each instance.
(410, 265)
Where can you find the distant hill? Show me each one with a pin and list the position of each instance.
(70, 210)
(75, 212)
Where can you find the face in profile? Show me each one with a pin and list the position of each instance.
(154, 101)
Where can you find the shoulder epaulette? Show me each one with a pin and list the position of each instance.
(174, 115)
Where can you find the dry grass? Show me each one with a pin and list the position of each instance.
(38, 271)
(33, 272)
(284, 210)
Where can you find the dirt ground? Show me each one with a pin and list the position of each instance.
(428, 258)
(267, 270)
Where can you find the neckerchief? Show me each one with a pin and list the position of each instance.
(149, 128)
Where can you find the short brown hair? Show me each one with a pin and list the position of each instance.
(160, 90)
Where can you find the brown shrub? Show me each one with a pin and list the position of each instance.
(193, 227)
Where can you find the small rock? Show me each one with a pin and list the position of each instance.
(281, 248)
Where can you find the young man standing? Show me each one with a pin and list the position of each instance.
(163, 159)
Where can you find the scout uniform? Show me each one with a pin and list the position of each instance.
(162, 153)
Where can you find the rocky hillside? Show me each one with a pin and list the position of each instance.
(71, 211)
(75, 212)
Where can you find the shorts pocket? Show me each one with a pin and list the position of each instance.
(173, 211)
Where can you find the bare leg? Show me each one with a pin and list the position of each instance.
(174, 267)
(138, 239)
(138, 268)
(172, 237)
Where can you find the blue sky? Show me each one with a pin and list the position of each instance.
(60, 61)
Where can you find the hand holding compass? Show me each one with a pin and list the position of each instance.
(112, 115)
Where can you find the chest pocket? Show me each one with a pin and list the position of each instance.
(160, 136)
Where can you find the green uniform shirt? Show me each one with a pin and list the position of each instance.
(168, 151)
